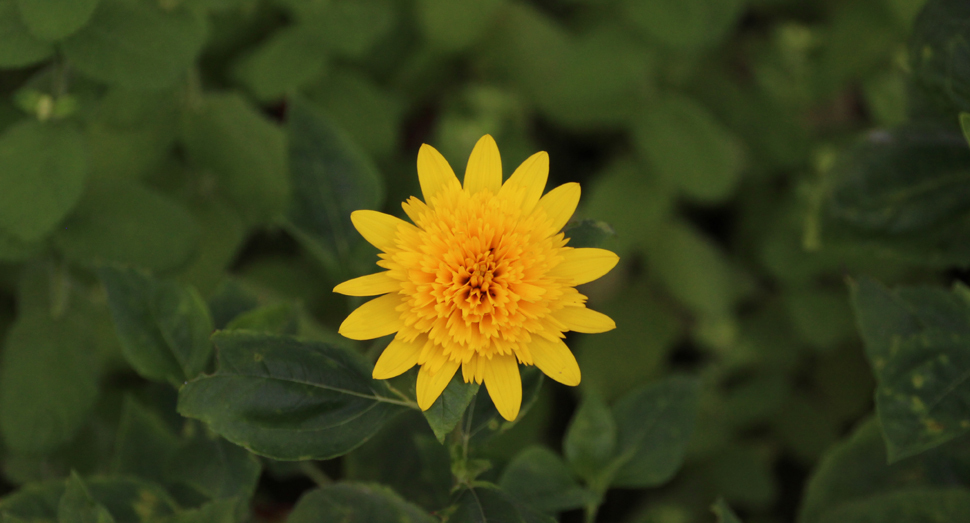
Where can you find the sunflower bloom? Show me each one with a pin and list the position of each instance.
(481, 280)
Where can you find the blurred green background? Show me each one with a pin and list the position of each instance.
(158, 134)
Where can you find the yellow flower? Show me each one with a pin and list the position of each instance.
(482, 280)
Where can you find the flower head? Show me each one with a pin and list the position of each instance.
(481, 280)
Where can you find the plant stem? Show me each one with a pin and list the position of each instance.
(310, 470)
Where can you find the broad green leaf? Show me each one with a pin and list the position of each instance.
(288, 399)
(48, 384)
(219, 511)
(14, 250)
(243, 150)
(164, 326)
(940, 60)
(56, 19)
(128, 500)
(42, 171)
(588, 233)
(486, 421)
(77, 505)
(18, 47)
(214, 467)
(222, 233)
(855, 471)
(231, 299)
(454, 25)
(688, 148)
(907, 180)
(683, 24)
(590, 439)
(278, 318)
(743, 474)
(351, 28)
(331, 179)
(489, 504)
(356, 503)
(724, 513)
(422, 466)
(916, 505)
(654, 424)
(917, 342)
(539, 478)
(130, 224)
(445, 413)
(136, 44)
(144, 444)
(369, 113)
(288, 60)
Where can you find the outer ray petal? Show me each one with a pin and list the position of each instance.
(560, 204)
(429, 386)
(584, 265)
(581, 319)
(379, 229)
(484, 169)
(555, 360)
(398, 358)
(373, 319)
(529, 180)
(504, 384)
(370, 285)
(434, 173)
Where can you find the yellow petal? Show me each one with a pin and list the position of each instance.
(560, 204)
(484, 169)
(529, 180)
(555, 360)
(373, 319)
(584, 265)
(434, 173)
(398, 358)
(429, 386)
(581, 319)
(504, 384)
(379, 229)
(370, 285)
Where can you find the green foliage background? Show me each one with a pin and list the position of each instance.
(785, 181)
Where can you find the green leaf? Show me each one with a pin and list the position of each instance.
(351, 28)
(56, 19)
(128, 500)
(855, 471)
(688, 148)
(164, 326)
(588, 233)
(48, 384)
(278, 318)
(243, 150)
(489, 504)
(288, 399)
(917, 342)
(590, 439)
(965, 125)
(486, 421)
(445, 413)
(723, 512)
(331, 179)
(214, 467)
(369, 113)
(453, 25)
(539, 478)
(906, 180)
(144, 443)
(422, 466)
(356, 503)
(654, 424)
(18, 47)
(136, 44)
(288, 60)
(683, 24)
(940, 60)
(77, 505)
(129, 224)
(917, 505)
(14, 250)
(219, 511)
(42, 171)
